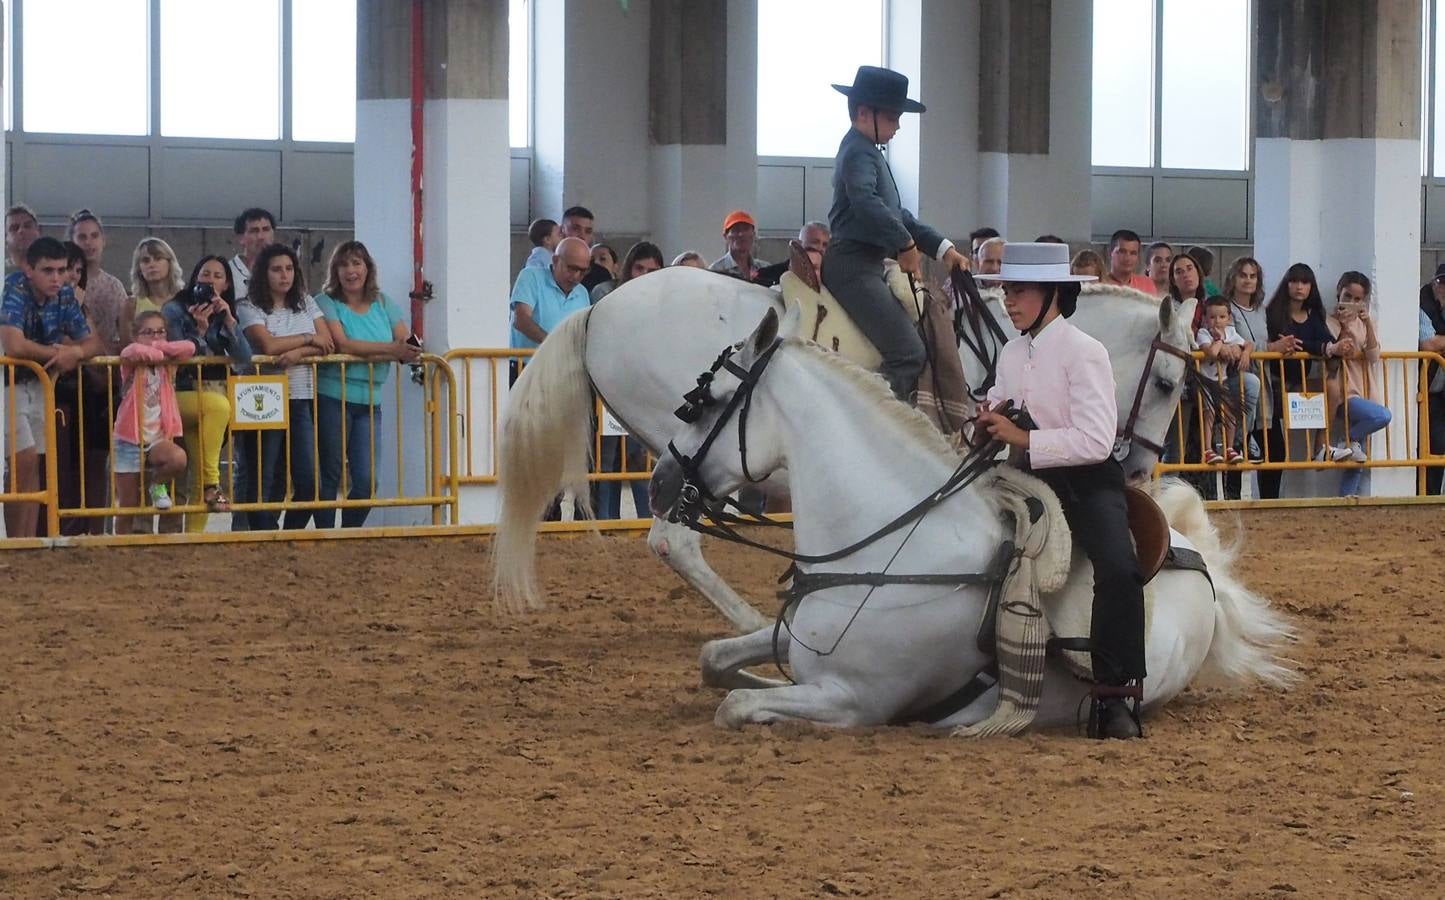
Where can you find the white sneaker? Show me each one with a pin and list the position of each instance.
(1357, 452)
(1331, 453)
(160, 497)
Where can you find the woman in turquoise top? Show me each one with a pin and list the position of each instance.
(366, 323)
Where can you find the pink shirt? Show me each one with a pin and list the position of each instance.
(1137, 282)
(1063, 378)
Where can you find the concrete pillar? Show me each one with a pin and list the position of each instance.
(590, 65)
(1034, 121)
(1337, 167)
(702, 119)
(466, 186)
(935, 156)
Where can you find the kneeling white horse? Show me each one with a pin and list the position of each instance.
(682, 316)
(866, 654)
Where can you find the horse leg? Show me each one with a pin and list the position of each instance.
(829, 703)
(723, 660)
(681, 549)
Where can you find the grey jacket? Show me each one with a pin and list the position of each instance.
(866, 208)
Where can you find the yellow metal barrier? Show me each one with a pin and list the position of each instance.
(24, 482)
(87, 405)
(1401, 374)
(485, 375)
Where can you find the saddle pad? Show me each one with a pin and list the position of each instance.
(824, 322)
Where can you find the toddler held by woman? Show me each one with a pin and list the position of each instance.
(148, 418)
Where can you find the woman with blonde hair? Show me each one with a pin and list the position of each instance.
(364, 322)
(155, 276)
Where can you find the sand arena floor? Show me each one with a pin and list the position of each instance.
(350, 719)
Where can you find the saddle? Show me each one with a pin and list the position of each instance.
(825, 322)
(1032, 610)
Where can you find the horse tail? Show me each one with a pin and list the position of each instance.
(1247, 631)
(543, 447)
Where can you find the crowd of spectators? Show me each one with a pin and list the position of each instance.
(171, 419)
(126, 435)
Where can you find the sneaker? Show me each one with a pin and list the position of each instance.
(1213, 458)
(1331, 453)
(1357, 452)
(1233, 456)
(160, 499)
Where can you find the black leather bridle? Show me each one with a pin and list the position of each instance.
(1128, 435)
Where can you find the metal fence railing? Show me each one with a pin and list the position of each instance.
(325, 461)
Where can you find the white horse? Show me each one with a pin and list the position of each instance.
(684, 316)
(864, 656)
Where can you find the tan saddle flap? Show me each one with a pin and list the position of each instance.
(824, 320)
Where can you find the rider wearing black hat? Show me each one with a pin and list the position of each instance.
(869, 225)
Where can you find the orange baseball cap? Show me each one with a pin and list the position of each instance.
(738, 217)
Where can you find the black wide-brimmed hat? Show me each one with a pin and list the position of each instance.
(881, 88)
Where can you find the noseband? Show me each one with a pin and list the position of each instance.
(1128, 435)
(696, 402)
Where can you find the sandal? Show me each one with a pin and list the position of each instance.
(216, 501)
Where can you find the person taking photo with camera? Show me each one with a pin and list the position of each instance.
(203, 312)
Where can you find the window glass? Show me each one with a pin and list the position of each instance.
(1205, 60)
(804, 46)
(519, 72)
(323, 70)
(110, 93)
(1123, 95)
(1437, 92)
(221, 68)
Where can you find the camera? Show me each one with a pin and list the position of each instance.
(202, 294)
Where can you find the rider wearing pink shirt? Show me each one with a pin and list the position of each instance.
(1063, 379)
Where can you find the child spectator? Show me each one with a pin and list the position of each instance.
(155, 275)
(1087, 262)
(544, 235)
(1353, 383)
(603, 255)
(39, 321)
(75, 274)
(363, 322)
(1225, 354)
(148, 421)
(689, 258)
(203, 312)
(281, 320)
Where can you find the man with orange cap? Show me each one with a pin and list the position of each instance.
(869, 225)
(740, 231)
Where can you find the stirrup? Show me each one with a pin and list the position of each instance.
(1131, 692)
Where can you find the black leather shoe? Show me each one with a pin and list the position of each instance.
(1116, 720)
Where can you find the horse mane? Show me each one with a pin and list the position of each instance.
(873, 386)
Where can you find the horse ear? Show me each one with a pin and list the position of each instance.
(761, 339)
(1166, 312)
(792, 323)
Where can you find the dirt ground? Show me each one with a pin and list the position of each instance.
(350, 719)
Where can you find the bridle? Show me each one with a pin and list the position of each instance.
(696, 402)
(1128, 435)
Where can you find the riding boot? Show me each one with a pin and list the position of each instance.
(1114, 711)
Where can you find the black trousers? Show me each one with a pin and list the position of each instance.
(1094, 507)
(853, 273)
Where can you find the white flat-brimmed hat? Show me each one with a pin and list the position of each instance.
(1035, 262)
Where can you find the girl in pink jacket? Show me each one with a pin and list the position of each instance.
(148, 418)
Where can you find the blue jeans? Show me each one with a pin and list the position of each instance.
(356, 423)
(1366, 418)
(268, 482)
(609, 493)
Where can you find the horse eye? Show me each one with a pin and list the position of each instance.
(1164, 384)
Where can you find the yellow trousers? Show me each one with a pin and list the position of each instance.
(205, 414)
